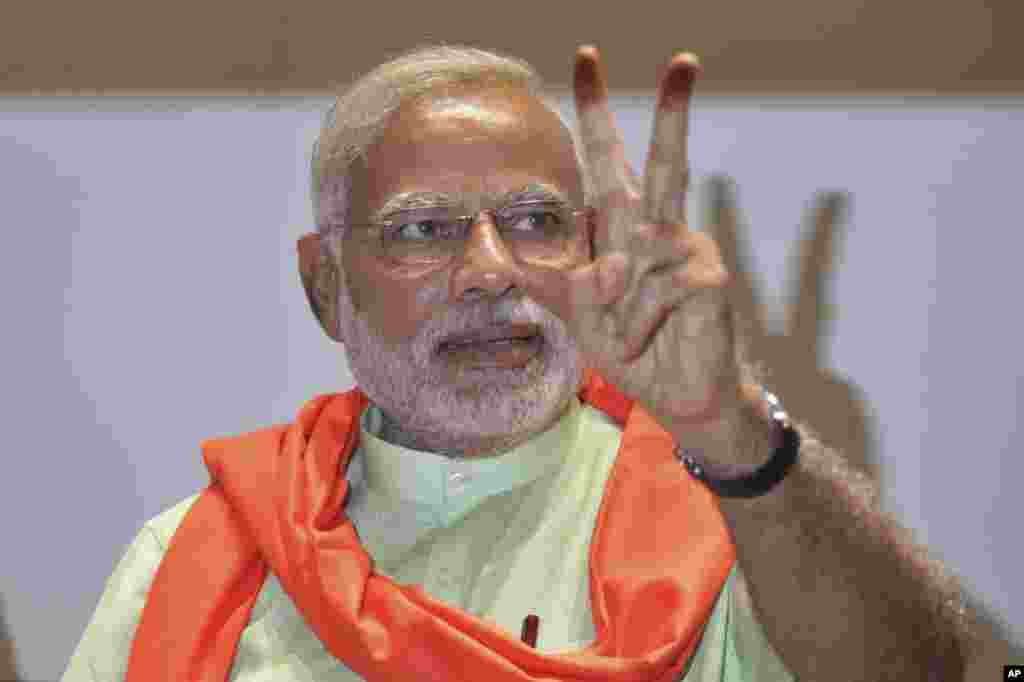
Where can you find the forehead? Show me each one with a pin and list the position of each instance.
(471, 143)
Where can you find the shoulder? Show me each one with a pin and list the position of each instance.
(143, 554)
(163, 526)
(102, 651)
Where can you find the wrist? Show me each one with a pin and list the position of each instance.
(738, 441)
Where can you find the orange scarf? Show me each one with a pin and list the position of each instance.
(659, 557)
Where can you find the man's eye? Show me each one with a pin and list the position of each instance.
(421, 229)
(535, 220)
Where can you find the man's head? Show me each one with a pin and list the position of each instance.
(469, 129)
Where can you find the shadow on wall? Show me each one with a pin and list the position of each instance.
(49, 228)
(791, 363)
(8, 660)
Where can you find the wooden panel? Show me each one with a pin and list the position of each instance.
(798, 46)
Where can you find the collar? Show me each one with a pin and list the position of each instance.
(453, 486)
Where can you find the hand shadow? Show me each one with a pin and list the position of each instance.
(790, 364)
(8, 659)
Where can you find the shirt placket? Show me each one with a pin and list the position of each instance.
(448, 569)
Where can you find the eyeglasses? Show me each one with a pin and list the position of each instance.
(540, 232)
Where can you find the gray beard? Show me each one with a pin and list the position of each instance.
(490, 413)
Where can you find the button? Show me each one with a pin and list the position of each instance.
(457, 481)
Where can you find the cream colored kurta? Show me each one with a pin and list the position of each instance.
(499, 537)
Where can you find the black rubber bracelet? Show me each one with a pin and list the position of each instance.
(760, 481)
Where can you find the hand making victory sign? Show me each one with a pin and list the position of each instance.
(650, 312)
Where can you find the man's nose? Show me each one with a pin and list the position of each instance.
(486, 266)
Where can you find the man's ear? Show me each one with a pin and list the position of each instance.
(320, 281)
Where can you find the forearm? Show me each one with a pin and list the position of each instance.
(841, 589)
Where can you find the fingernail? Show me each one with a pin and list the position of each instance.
(587, 77)
(683, 72)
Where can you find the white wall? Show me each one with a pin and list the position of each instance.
(148, 279)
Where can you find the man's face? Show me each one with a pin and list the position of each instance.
(481, 149)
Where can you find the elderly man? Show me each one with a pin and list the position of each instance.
(555, 464)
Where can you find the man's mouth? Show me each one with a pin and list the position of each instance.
(499, 333)
(506, 346)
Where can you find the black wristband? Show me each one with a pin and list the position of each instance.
(767, 476)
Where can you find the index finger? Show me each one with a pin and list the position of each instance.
(602, 144)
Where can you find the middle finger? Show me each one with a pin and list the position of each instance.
(667, 175)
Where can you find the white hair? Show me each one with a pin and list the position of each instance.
(358, 116)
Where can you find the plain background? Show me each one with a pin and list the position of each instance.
(151, 300)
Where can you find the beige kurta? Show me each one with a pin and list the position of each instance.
(499, 537)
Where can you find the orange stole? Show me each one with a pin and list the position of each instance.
(659, 556)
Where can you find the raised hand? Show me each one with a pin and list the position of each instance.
(650, 312)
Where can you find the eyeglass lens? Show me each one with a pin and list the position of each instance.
(539, 233)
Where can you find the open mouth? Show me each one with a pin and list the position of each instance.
(492, 344)
(506, 346)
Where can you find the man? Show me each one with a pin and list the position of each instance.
(552, 426)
